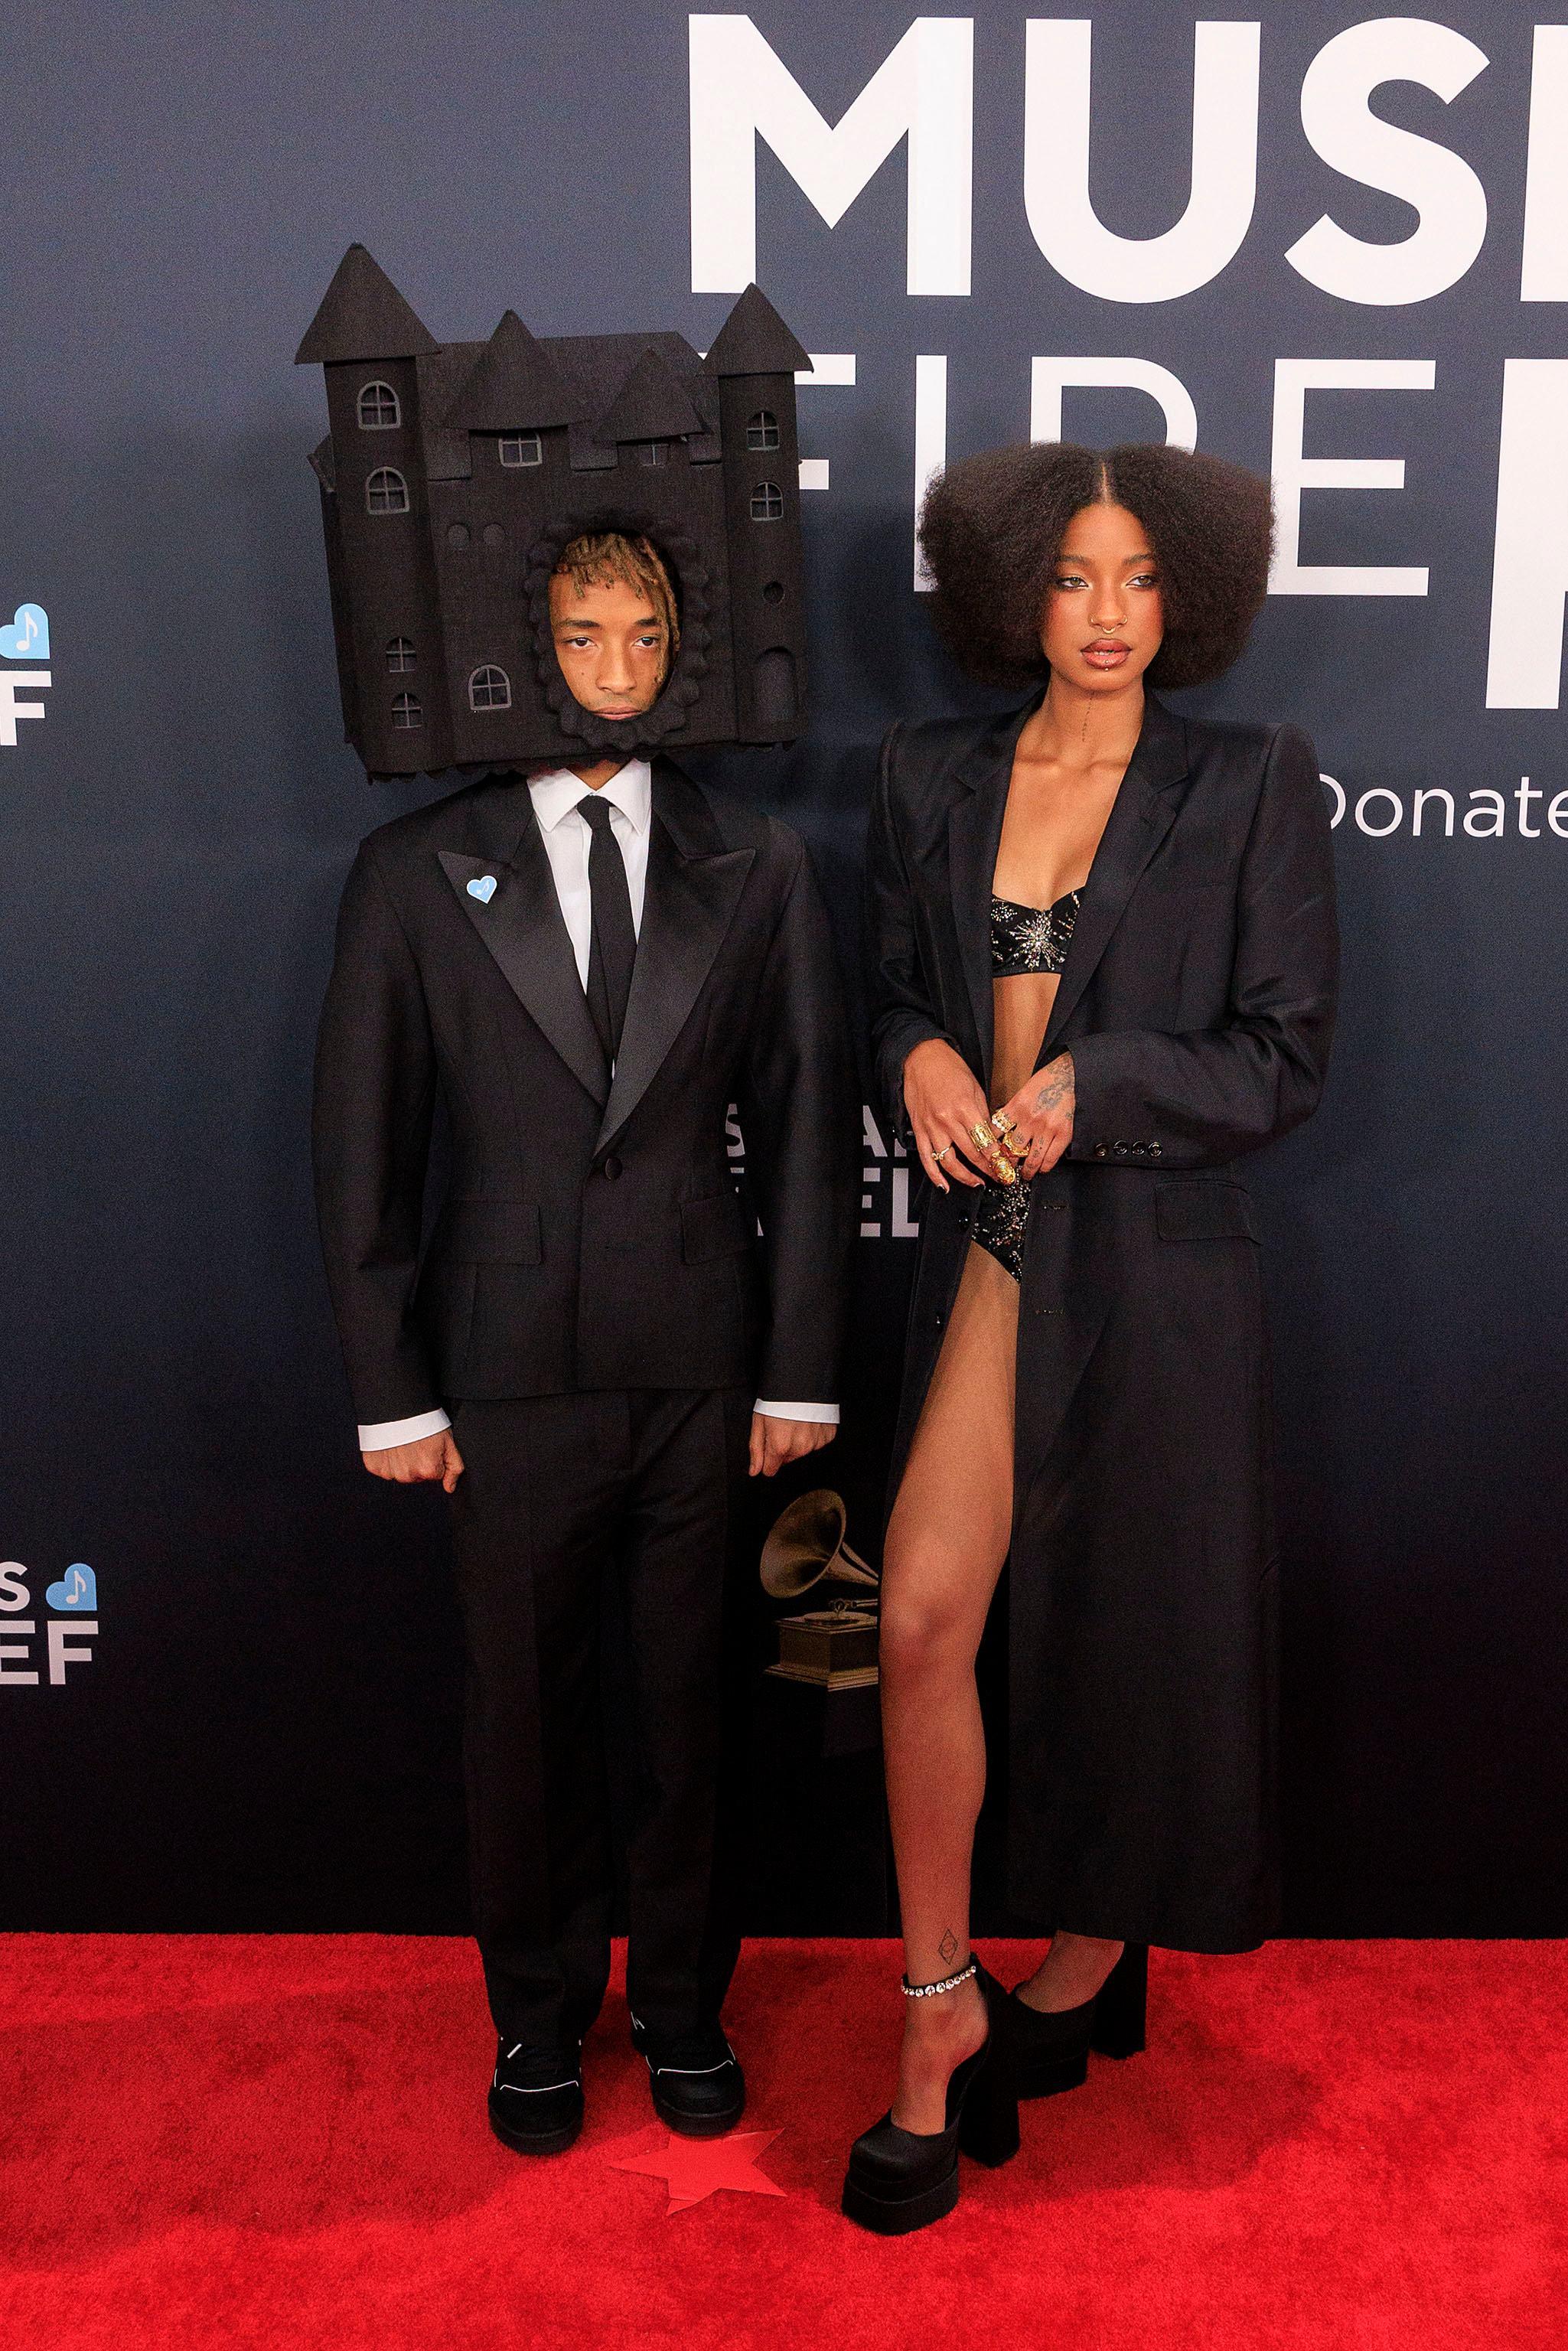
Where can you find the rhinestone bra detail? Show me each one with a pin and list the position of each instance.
(1032, 938)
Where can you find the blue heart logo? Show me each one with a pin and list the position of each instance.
(26, 638)
(484, 889)
(76, 1589)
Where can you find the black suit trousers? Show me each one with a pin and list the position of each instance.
(571, 1507)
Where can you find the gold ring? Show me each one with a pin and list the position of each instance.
(983, 1139)
(1002, 1123)
(1003, 1169)
(939, 1157)
(1015, 1150)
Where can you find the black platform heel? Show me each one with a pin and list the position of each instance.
(899, 2181)
(1051, 2046)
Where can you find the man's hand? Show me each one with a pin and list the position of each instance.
(1043, 1112)
(430, 1458)
(773, 1442)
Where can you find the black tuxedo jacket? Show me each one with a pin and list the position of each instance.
(591, 1235)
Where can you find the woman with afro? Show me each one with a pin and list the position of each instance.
(1103, 959)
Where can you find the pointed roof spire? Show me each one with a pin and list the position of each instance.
(514, 384)
(651, 405)
(754, 341)
(363, 317)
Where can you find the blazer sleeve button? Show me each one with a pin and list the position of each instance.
(1100, 1150)
(1121, 1150)
(611, 1169)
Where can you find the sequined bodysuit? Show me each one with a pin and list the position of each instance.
(1023, 939)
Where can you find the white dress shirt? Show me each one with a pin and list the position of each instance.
(567, 838)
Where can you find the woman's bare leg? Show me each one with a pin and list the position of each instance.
(946, 1543)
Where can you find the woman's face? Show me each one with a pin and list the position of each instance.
(1103, 620)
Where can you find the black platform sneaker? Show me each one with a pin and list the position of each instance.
(536, 2096)
(695, 2078)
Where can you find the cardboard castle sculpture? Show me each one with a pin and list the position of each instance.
(453, 475)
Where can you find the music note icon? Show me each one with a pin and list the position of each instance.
(76, 1589)
(27, 634)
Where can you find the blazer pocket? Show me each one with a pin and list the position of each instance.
(492, 1232)
(712, 1228)
(1203, 1211)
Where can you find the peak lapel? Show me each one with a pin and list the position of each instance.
(974, 836)
(521, 926)
(1140, 818)
(689, 902)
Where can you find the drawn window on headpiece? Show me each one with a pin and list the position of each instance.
(380, 409)
(653, 453)
(489, 689)
(400, 653)
(521, 449)
(407, 713)
(762, 432)
(767, 503)
(386, 492)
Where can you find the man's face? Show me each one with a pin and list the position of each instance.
(612, 647)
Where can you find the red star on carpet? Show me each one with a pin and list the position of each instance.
(693, 2167)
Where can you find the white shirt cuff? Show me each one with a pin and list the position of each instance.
(828, 1414)
(376, 1436)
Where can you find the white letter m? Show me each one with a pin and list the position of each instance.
(741, 92)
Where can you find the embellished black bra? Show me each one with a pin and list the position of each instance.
(1032, 938)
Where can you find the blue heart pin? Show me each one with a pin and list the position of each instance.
(484, 889)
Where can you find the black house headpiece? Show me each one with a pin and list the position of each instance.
(454, 473)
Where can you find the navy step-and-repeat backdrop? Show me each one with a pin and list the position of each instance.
(1325, 243)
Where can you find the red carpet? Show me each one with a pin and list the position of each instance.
(229, 2141)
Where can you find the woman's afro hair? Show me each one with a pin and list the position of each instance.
(991, 527)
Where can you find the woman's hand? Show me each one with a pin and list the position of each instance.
(944, 1102)
(1042, 1112)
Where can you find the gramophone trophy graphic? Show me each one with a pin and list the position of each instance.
(832, 1647)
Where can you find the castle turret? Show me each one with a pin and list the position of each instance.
(755, 360)
(375, 507)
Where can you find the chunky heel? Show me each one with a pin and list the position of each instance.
(1120, 2008)
(989, 2124)
(899, 2181)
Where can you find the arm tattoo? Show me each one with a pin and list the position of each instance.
(948, 1948)
(1058, 1086)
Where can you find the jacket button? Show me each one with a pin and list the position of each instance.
(939, 1320)
(611, 1168)
(1121, 1150)
(1154, 1149)
(1100, 1150)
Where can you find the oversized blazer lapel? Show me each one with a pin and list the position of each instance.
(692, 889)
(522, 924)
(974, 836)
(1141, 816)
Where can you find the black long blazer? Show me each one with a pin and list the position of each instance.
(591, 1236)
(1197, 1002)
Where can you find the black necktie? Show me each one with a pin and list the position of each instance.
(614, 943)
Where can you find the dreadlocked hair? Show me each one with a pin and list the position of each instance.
(598, 557)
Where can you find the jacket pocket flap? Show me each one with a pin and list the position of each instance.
(491, 1232)
(712, 1228)
(1203, 1212)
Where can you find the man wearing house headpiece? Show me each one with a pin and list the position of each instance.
(588, 957)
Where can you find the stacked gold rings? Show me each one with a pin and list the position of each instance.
(985, 1141)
